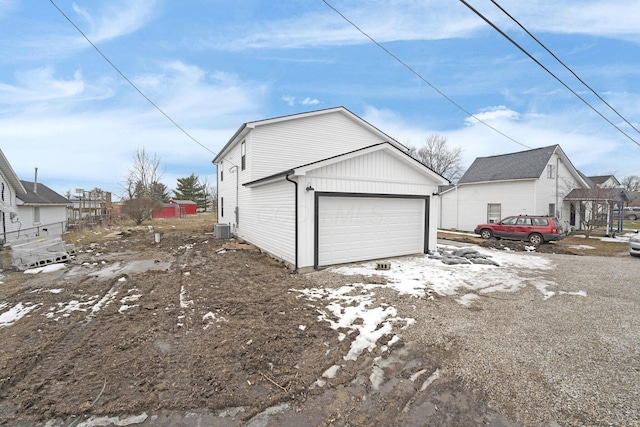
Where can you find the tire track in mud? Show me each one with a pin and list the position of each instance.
(51, 360)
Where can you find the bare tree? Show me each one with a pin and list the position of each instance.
(144, 175)
(210, 193)
(437, 156)
(141, 209)
(631, 183)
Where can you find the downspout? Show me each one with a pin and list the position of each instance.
(558, 210)
(291, 172)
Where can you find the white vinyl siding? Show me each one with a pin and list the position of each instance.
(466, 207)
(359, 228)
(267, 218)
(284, 145)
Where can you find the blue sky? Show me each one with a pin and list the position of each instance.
(213, 65)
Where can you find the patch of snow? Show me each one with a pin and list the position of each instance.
(114, 421)
(184, 302)
(331, 372)
(578, 293)
(127, 299)
(431, 379)
(582, 247)
(46, 269)
(104, 301)
(420, 275)
(125, 307)
(211, 318)
(16, 313)
(376, 377)
(467, 299)
(415, 376)
(353, 312)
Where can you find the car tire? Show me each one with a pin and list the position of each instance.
(485, 233)
(632, 217)
(536, 239)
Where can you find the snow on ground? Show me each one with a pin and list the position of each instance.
(352, 306)
(414, 275)
(16, 313)
(46, 269)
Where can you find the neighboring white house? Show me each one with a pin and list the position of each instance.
(10, 186)
(325, 187)
(28, 208)
(41, 207)
(532, 182)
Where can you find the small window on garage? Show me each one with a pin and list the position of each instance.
(494, 213)
(36, 214)
(221, 206)
(221, 172)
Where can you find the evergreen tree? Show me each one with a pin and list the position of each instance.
(158, 191)
(190, 188)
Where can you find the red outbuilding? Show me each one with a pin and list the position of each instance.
(169, 210)
(187, 207)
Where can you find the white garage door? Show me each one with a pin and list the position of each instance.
(365, 228)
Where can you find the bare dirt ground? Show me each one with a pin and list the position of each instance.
(196, 331)
(186, 332)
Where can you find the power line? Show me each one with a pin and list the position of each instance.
(130, 82)
(546, 69)
(563, 64)
(414, 72)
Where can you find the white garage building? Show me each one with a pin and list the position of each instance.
(323, 188)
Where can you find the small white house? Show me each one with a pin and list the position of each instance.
(325, 187)
(28, 208)
(40, 207)
(532, 182)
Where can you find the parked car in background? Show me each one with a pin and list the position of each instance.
(630, 212)
(634, 245)
(535, 229)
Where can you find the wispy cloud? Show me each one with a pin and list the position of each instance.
(410, 20)
(100, 23)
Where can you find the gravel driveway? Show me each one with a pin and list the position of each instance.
(570, 359)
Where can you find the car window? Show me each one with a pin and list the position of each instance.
(540, 221)
(509, 221)
(524, 221)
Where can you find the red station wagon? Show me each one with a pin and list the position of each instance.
(535, 229)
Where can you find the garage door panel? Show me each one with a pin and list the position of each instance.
(359, 228)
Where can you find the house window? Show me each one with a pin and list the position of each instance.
(243, 155)
(493, 213)
(222, 206)
(221, 171)
(551, 171)
(36, 214)
(552, 209)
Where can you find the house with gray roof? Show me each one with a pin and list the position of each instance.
(28, 209)
(532, 182)
(40, 206)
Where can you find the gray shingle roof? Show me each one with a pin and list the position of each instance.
(528, 164)
(45, 195)
(598, 194)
